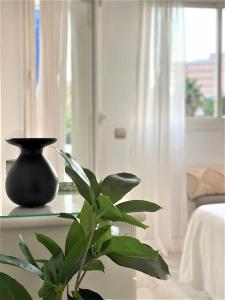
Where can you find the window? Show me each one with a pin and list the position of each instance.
(205, 61)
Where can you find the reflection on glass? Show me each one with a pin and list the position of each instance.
(21, 211)
(200, 24)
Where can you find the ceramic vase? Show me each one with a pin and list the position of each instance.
(32, 180)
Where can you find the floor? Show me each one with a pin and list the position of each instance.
(150, 288)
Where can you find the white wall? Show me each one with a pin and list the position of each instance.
(120, 52)
(205, 147)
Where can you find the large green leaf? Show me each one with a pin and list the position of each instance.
(86, 218)
(52, 268)
(10, 289)
(82, 187)
(100, 232)
(156, 268)
(51, 277)
(72, 260)
(117, 185)
(19, 263)
(95, 265)
(124, 218)
(75, 232)
(107, 209)
(128, 246)
(99, 239)
(138, 206)
(132, 220)
(84, 294)
(47, 291)
(75, 166)
(51, 245)
(93, 181)
(26, 252)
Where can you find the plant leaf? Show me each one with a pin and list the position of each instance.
(85, 217)
(26, 252)
(100, 232)
(19, 263)
(132, 220)
(67, 216)
(95, 265)
(46, 290)
(105, 235)
(75, 232)
(88, 295)
(72, 260)
(42, 261)
(82, 187)
(10, 289)
(51, 245)
(117, 185)
(107, 209)
(128, 246)
(78, 296)
(52, 268)
(125, 218)
(75, 166)
(138, 206)
(93, 181)
(156, 268)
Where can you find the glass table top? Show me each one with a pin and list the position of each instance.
(64, 202)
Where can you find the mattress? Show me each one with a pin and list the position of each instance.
(203, 258)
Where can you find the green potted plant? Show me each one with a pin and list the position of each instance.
(89, 238)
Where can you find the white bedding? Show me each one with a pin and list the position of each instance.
(203, 259)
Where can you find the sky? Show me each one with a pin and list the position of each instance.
(200, 33)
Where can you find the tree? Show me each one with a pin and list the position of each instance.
(194, 97)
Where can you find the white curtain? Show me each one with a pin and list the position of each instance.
(159, 125)
(16, 69)
(52, 89)
(82, 81)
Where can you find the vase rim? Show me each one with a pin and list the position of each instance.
(31, 142)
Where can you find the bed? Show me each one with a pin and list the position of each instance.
(203, 259)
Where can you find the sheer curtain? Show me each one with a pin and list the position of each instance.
(82, 81)
(22, 114)
(159, 125)
(51, 99)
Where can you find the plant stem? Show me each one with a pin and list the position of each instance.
(59, 296)
(67, 289)
(82, 277)
(79, 278)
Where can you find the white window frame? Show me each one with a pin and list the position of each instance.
(218, 121)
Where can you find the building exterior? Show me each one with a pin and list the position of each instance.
(204, 71)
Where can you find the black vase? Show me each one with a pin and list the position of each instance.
(31, 181)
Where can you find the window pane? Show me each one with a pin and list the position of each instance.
(223, 63)
(200, 38)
